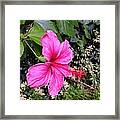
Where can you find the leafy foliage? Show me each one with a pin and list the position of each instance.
(22, 22)
(66, 27)
(36, 32)
(78, 93)
(21, 48)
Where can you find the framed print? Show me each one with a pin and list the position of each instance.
(60, 59)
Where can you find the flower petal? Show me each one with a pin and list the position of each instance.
(38, 75)
(65, 54)
(50, 45)
(63, 68)
(56, 82)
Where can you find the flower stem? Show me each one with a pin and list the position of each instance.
(39, 57)
(87, 85)
(31, 48)
(84, 84)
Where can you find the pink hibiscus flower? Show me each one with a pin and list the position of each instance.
(52, 72)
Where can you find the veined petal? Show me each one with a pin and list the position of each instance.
(38, 75)
(50, 45)
(56, 82)
(65, 54)
(63, 68)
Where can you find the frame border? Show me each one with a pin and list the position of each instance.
(69, 2)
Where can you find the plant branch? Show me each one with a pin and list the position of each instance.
(87, 85)
(84, 84)
(31, 48)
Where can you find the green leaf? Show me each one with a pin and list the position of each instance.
(81, 44)
(47, 25)
(87, 34)
(52, 26)
(59, 37)
(38, 50)
(21, 49)
(84, 40)
(36, 32)
(22, 22)
(66, 27)
(73, 22)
